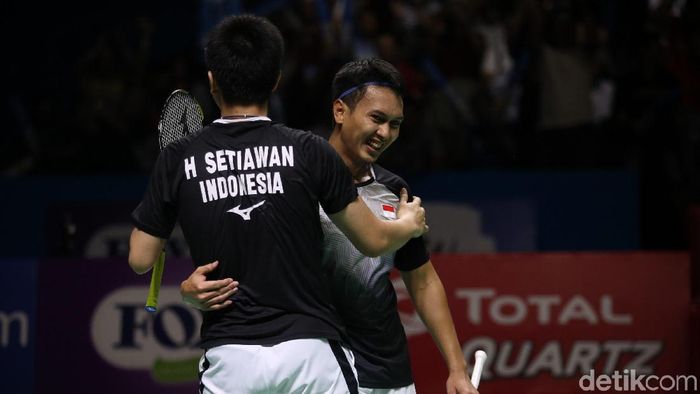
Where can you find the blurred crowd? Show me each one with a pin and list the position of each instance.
(490, 84)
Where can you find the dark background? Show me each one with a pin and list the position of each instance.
(84, 84)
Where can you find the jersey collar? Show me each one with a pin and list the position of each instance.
(370, 178)
(251, 119)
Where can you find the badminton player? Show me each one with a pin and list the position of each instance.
(368, 111)
(246, 193)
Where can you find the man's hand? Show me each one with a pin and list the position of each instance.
(207, 295)
(413, 213)
(459, 383)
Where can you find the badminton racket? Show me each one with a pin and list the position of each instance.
(180, 116)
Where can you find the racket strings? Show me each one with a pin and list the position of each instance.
(181, 116)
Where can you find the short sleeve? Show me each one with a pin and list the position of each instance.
(337, 189)
(412, 255)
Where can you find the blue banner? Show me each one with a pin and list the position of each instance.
(17, 325)
(510, 211)
(573, 211)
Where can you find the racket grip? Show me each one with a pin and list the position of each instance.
(480, 358)
(154, 290)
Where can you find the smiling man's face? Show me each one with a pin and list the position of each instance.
(372, 126)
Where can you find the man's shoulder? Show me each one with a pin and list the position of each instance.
(388, 178)
(311, 145)
(294, 133)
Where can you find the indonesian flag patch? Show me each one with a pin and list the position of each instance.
(388, 211)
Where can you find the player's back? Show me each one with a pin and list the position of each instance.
(247, 196)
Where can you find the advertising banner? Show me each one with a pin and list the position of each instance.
(481, 226)
(556, 322)
(572, 210)
(550, 323)
(17, 325)
(94, 335)
(101, 229)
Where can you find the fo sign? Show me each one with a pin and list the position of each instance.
(128, 337)
(102, 323)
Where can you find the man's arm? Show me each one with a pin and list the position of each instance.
(144, 250)
(428, 295)
(374, 237)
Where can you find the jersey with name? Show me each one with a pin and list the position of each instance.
(246, 194)
(363, 292)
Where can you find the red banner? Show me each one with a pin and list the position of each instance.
(547, 320)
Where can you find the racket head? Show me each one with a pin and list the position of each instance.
(181, 115)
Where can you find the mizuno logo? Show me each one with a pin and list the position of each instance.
(245, 213)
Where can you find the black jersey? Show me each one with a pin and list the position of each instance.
(363, 293)
(246, 193)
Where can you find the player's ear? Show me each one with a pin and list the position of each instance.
(212, 83)
(213, 88)
(339, 111)
(277, 84)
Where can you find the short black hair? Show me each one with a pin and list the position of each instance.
(359, 74)
(244, 54)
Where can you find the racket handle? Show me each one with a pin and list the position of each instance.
(480, 358)
(154, 290)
